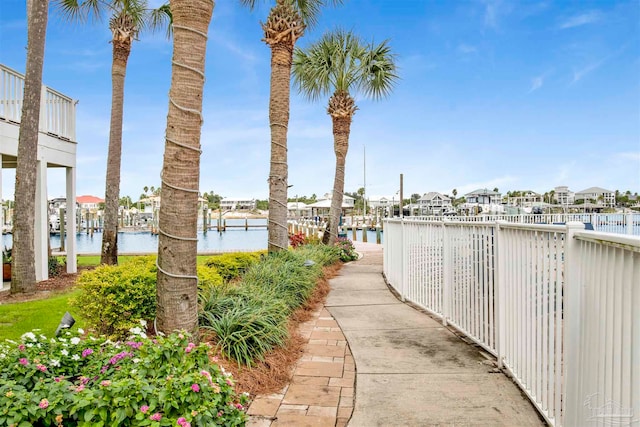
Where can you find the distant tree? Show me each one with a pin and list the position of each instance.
(415, 197)
(262, 205)
(496, 190)
(340, 65)
(23, 271)
(454, 192)
(125, 201)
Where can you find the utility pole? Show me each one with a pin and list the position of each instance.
(401, 196)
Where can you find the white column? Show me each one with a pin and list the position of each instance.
(71, 221)
(41, 226)
(500, 292)
(572, 303)
(447, 272)
(2, 244)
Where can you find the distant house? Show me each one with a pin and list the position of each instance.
(526, 198)
(434, 203)
(376, 202)
(298, 209)
(483, 197)
(152, 203)
(89, 202)
(601, 196)
(322, 207)
(563, 195)
(237, 204)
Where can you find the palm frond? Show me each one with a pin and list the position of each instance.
(161, 18)
(310, 10)
(80, 10)
(379, 71)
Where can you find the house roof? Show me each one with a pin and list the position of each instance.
(89, 199)
(326, 203)
(596, 190)
(482, 192)
(432, 195)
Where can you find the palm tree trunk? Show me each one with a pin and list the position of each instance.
(177, 286)
(121, 50)
(281, 57)
(341, 130)
(23, 273)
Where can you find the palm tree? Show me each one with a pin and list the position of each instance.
(285, 24)
(339, 64)
(177, 285)
(128, 18)
(23, 271)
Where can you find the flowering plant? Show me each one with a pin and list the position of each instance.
(347, 250)
(94, 381)
(297, 239)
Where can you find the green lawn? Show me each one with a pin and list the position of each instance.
(44, 314)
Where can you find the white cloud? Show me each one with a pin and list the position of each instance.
(536, 83)
(466, 49)
(580, 20)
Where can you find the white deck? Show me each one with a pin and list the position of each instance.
(56, 149)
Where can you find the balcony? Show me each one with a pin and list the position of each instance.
(56, 149)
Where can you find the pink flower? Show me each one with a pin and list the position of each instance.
(24, 361)
(144, 409)
(156, 417)
(219, 413)
(187, 424)
(105, 383)
(80, 388)
(189, 347)
(195, 387)
(229, 382)
(41, 368)
(57, 379)
(22, 347)
(181, 421)
(86, 352)
(239, 406)
(44, 404)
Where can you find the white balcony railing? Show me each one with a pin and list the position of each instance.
(57, 111)
(557, 305)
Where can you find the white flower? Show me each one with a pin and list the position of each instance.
(133, 371)
(143, 335)
(75, 357)
(81, 331)
(135, 331)
(75, 340)
(62, 339)
(54, 362)
(64, 352)
(29, 344)
(143, 323)
(2, 355)
(29, 335)
(43, 338)
(135, 360)
(92, 338)
(39, 345)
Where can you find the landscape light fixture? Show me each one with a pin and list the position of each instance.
(66, 322)
(309, 263)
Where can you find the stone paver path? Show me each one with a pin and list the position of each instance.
(321, 390)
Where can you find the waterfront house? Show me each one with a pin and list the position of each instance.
(57, 146)
(298, 209)
(483, 196)
(563, 195)
(238, 204)
(376, 202)
(597, 195)
(322, 207)
(434, 203)
(89, 203)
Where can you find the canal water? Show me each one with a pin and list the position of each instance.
(234, 239)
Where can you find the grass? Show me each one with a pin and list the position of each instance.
(45, 314)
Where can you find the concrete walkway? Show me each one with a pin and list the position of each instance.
(409, 369)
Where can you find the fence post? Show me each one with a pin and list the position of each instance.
(629, 221)
(447, 270)
(573, 402)
(500, 292)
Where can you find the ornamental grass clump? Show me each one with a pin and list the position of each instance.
(250, 316)
(69, 381)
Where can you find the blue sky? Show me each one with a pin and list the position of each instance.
(515, 95)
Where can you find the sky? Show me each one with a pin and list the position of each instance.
(519, 95)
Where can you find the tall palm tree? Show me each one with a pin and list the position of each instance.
(341, 64)
(177, 286)
(285, 24)
(128, 18)
(23, 271)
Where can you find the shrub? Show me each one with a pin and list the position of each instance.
(296, 239)
(56, 267)
(113, 298)
(347, 250)
(90, 382)
(232, 265)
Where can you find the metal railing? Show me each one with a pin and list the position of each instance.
(57, 111)
(621, 223)
(557, 306)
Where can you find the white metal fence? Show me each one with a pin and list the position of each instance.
(621, 223)
(57, 111)
(558, 306)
